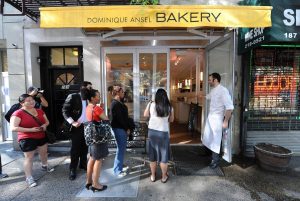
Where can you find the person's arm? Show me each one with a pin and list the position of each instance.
(14, 125)
(66, 109)
(103, 116)
(101, 113)
(147, 110)
(46, 122)
(171, 117)
(226, 118)
(208, 96)
(228, 104)
(11, 110)
(44, 102)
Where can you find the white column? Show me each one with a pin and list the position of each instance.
(91, 61)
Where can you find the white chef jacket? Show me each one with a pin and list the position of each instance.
(220, 101)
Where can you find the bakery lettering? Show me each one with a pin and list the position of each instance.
(187, 17)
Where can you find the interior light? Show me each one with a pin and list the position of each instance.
(201, 76)
(177, 60)
(75, 51)
(154, 43)
(187, 82)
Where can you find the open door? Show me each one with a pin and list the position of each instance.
(220, 57)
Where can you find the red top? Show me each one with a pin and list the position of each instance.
(27, 121)
(96, 115)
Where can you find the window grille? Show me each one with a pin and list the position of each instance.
(274, 97)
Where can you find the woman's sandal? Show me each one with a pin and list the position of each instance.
(88, 186)
(152, 178)
(165, 181)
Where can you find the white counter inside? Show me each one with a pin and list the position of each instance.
(181, 111)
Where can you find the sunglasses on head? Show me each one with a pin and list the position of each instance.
(120, 89)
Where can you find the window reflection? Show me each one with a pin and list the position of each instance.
(153, 75)
(119, 68)
(57, 56)
(71, 56)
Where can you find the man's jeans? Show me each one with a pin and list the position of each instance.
(121, 138)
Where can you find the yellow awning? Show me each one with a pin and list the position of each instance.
(155, 16)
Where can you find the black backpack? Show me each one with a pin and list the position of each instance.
(12, 109)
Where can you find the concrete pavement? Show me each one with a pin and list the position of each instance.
(243, 180)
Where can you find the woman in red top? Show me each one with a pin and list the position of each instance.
(31, 134)
(97, 151)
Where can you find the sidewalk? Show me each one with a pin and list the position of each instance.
(243, 180)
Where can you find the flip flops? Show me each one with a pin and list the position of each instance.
(152, 179)
(165, 180)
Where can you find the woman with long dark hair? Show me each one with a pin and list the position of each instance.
(161, 113)
(97, 151)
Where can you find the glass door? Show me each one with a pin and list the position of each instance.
(140, 72)
(153, 67)
(220, 59)
(119, 67)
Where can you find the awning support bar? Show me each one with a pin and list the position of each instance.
(112, 33)
(197, 32)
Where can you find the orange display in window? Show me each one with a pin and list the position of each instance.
(265, 85)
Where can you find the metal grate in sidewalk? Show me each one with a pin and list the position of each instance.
(193, 160)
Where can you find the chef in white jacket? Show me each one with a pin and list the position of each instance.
(220, 110)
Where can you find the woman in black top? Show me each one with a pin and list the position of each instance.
(120, 125)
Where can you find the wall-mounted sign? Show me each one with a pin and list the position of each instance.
(285, 26)
(155, 16)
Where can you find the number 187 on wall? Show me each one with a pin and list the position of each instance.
(290, 35)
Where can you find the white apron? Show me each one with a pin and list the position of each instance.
(212, 135)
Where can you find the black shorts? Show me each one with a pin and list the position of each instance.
(30, 144)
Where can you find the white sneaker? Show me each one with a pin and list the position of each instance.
(122, 174)
(47, 168)
(125, 168)
(31, 183)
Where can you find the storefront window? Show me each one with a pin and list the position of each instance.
(274, 92)
(62, 57)
(57, 56)
(71, 56)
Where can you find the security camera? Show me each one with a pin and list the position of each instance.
(15, 45)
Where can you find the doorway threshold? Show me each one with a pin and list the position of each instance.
(193, 160)
(187, 145)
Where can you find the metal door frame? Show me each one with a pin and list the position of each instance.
(218, 42)
(136, 80)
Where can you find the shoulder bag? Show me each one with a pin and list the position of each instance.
(97, 132)
(49, 135)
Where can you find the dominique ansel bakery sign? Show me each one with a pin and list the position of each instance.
(155, 16)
